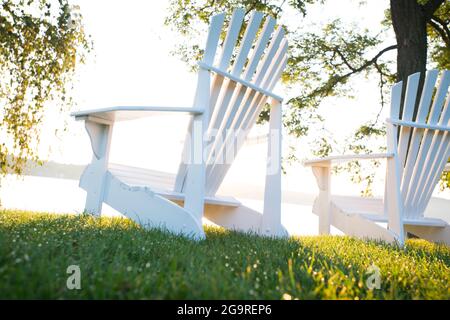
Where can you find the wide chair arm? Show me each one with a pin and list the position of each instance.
(125, 113)
(331, 160)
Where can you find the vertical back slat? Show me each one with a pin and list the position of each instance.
(247, 41)
(428, 147)
(441, 158)
(408, 111)
(246, 121)
(231, 38)
(424, 108)
(269, 56)
(224, 61)
(213, 38)
(261, 44)
(231, 125)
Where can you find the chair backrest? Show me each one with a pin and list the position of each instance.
(244, 76)
(423, 139)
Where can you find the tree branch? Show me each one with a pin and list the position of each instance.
(333, 81)
(341, 55)
(431, 6)
(370, 62)
(441, 27)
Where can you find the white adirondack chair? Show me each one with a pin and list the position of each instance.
(418, 150)
(231, 91)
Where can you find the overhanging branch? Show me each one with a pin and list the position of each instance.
(369, 62)
(431, 6)
(441, 27)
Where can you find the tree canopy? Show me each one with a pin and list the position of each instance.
(41, 43)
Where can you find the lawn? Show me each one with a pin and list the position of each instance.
(118, 259)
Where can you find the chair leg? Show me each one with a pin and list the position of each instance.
(93, 177)
(271, 219)
(323, 177)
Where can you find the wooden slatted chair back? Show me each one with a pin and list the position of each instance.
(245, 70)
(422, 139)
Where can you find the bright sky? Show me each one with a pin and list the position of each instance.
(132, 65)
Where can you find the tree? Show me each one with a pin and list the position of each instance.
(41, 43)
(322, 62)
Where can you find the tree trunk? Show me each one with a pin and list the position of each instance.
(410, 25)
(409, 20)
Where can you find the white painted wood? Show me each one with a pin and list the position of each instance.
(323, 178)
(268, 58)
(416, 125)
(418, 151)
(231, 38)
(241, 81)
(247, 41)
(417, 134)
(242, 118)
(159, 182)
(194, 187)
(328, 161)
(94, 174)
(427, 147)
(408, 110)
(260, 46)
(441, 152)
(393, 201)
(434, 234)
(229, 127)
(150, 210)
(430, 144)
(231, 91)
(124, 113)
(357, 226)
(208, 58)
(271, 219)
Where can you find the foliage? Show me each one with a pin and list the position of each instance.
(41, 43)
(119, 260)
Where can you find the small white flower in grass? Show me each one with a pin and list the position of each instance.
(129, 268)
(286, 296)
(147, 265)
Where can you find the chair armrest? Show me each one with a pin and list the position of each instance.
(124, 113)
(329, 161)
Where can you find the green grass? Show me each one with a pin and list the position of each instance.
(118, 259)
